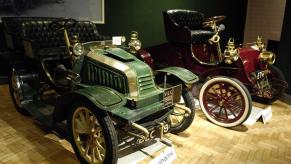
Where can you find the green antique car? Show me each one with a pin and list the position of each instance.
(104, 93)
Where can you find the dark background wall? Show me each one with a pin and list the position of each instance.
(284, 55)
(121, 17)
(146, 17)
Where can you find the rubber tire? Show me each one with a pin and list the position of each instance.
(107, 128)
(19, 109)
(189, 102)
(236, 84)
(280, 76)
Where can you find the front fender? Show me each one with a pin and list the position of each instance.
(102, 97)
(181, 73)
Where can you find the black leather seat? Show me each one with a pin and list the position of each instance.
(185, 26)
(13, 29)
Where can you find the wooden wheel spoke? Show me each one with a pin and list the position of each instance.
(215, 92)
(226, 116)
(230, 98)
(87, 148)
(92, 122)
(98, 154)
(83, 119)
(80, 127)
(221, 88)
(99, 146)
(212, 95)
(212, 109)
(87, 118)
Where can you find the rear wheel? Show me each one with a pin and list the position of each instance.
(16, 91)
(225, 102)
(278, 85)
(92, 134)
(179, 119)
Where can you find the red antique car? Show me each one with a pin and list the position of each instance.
(230, 78)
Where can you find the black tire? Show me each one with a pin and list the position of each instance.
(225, 101)
(186, 121)
(106, 132)
(275, 78)
(276, 73)
(13, 75)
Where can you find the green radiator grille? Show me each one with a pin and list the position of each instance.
(146, 84)
(103, 76)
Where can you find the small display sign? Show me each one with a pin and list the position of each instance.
(166, 157)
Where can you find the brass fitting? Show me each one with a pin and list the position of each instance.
(230, 53)
(268, 57)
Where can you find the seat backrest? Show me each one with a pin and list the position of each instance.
(13, 29)
(189, 18)
(86, 30)
(41, 35)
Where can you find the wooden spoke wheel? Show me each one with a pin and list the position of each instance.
(92, 134)
(225, 102)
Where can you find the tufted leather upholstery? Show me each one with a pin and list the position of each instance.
(41, 36)
(86, 31)
(34, 33)
(185, 26)
(13, 29)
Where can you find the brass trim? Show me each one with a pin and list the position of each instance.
(130, 74)
(141, 128)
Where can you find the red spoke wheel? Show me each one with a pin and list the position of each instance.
(225, 101)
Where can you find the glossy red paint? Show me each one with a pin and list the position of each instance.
(249, 58)
(146, 57)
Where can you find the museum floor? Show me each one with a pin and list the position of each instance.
(24, 140)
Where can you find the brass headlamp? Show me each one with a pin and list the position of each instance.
(268, 57)
(265, 56)
(134, 43)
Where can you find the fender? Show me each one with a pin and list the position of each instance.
(102, 97)
(181, 73)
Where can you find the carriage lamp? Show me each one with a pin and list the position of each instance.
(134, 43)
(267, 57)
(230, 53)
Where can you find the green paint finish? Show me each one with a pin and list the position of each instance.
(120, 53)
(96, 73)
(146, 86)
(185, 75)
(137, 114)
(103, 97)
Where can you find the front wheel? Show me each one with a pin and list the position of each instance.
(225, 102)
(92, 134)
(179, 119)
